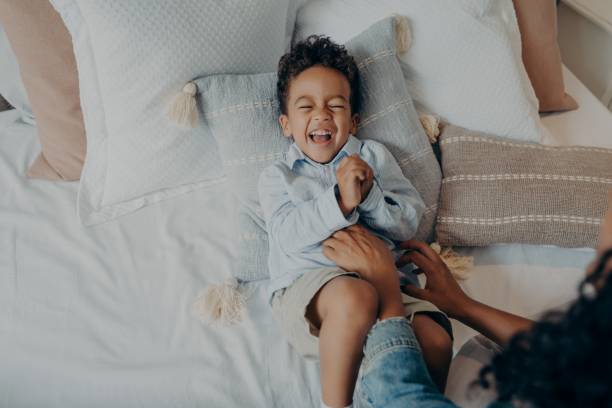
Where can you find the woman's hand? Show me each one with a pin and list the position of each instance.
(441, 288)
(355, 249)
(605, 230)
(603, 244)
(443, 291)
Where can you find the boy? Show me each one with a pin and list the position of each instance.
(330, 180)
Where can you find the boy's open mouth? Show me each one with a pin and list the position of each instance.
(321, 136)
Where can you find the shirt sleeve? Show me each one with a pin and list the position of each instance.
(393, 207)
(295, 227)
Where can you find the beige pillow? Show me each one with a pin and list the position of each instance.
(498, 190)
(541, 54)
(44, 51)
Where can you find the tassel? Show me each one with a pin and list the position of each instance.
(183, 110)
(403, 36)
(431, 124)
(460, 266)
(221, 303)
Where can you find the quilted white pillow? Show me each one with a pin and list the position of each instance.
(464, 63)
(132, 56)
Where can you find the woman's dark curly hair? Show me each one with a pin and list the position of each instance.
(565, 360)
(316, 50)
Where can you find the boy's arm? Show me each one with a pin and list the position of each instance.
(296, 227)
(393, 206)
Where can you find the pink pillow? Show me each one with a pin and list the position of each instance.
(541, 55)
(47, 65)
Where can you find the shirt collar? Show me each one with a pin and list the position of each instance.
(352, 146)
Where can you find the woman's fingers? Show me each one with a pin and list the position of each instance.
(402, 261)
(341, 241)
(335, 244)
(329, 251)
(414, 291)
(421, 261)
(330, 242)
(355, 239)
(341, 236)
(351, 234)
(356, 228)
(423, 248)
(413, 244)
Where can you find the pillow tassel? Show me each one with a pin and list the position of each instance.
(222, 303)
(431, 124)
(183, 110)
(403, 36)
(460, 266)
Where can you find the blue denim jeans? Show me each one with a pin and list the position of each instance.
(393, 372)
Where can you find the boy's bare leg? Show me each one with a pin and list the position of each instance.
(437, 348)
(344, 310)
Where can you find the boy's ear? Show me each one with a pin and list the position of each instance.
(354, 124)
(284, 123)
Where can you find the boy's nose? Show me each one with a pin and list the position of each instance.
(322, 115)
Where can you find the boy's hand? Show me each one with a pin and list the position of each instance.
(355, 178)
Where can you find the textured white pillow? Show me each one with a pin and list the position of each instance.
(11, 85)
(132, 57)
(464, 63)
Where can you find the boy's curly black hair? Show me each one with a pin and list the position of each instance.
(565, 360)
(316, 50)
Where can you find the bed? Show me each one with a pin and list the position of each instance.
(101, 316)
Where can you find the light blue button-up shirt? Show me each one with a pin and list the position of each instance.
(300, 206)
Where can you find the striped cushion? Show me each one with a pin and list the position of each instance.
(501, 191)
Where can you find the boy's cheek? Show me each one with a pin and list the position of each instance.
(283, 120)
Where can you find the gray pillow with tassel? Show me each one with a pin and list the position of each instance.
(242, 113)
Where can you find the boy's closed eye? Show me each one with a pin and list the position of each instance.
(331, 106)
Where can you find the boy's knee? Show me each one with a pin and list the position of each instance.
(356, 300)
(432, 336)
(441, 344)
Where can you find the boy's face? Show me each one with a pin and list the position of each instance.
(319, 114)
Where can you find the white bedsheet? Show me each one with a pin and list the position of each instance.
(100, 316)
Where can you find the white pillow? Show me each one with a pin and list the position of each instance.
(133, 57)
(11, 85)
(464, 63)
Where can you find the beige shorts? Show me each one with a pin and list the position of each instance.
(289, 309)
